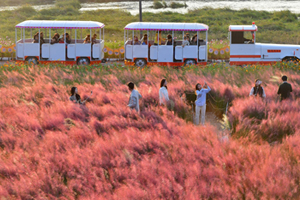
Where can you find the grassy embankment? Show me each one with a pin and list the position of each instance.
(277, 27)
(43, 2)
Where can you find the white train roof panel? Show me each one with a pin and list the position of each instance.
(165, 26)
(243, 28)
(60, 24)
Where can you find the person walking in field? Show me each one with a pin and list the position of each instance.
(201, 102)
(284, 89)
(134, 98)
(258, 90)
(163, 93)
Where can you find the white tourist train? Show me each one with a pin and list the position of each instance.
(145, 43)
(158, 50)
(71, 49)
(244, 49)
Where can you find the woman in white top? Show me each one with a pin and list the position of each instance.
(201, 102)
(163, 92)
(185, 41)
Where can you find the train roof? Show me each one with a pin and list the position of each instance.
(166, 26)
(243, 27)
(60, 24)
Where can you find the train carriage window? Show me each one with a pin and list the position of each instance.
(241, 37)
(237, 37)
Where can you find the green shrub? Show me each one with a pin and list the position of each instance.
(273, 26)
(285, 16)
(68, 3)
(52, 12)
(157, 5)
(25, 11)
(177, 5)
(164, 4)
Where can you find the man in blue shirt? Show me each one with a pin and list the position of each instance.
(201, 102)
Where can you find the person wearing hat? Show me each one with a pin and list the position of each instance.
(258, 90)
(284, 89)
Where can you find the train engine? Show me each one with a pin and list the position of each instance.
(244, 50)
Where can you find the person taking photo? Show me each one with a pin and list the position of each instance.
(201, 102)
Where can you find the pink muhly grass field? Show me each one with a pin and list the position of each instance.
(51, 148)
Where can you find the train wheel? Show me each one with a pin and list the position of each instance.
(32, 60)
(190, 62)
(290, 59)
(140, 62)
(83, 61)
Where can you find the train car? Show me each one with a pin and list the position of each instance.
(244, 50)
(158, 50)
(40, 48)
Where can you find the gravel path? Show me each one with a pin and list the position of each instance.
(211, 118)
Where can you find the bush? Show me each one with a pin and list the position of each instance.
(164, 4)
(174, 4)
(157, 5)
(285, 16)
(103, 150)
(68, 3)
(25, 11)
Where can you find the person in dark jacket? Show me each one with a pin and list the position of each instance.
(68, 39)
(75, 97)
(169, 42)
(284, 89)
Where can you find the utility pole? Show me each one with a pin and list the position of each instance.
(140, 6)
(140, 9)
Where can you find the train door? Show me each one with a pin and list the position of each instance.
(165, 49)
(140, 45)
